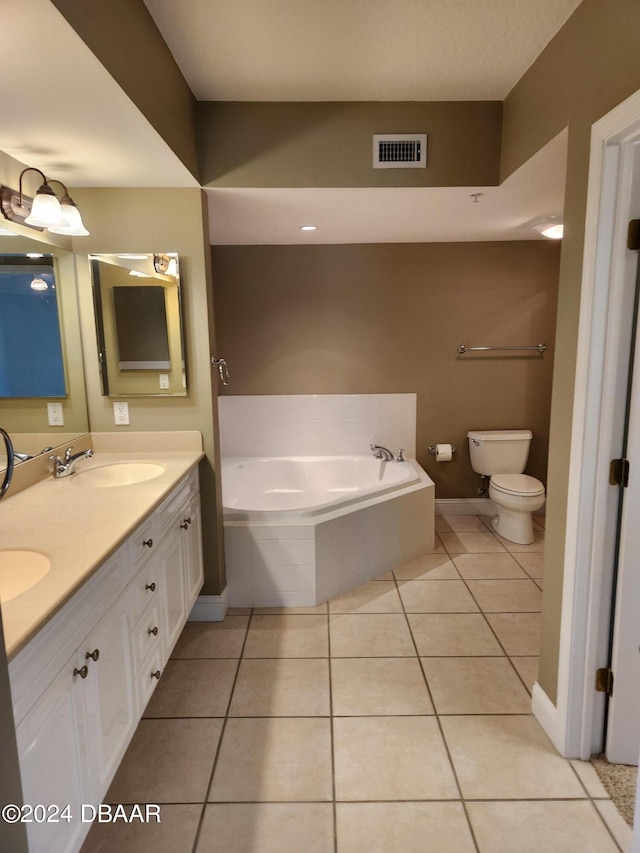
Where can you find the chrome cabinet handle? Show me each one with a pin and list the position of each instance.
(150, 586)
(156, 674)
(82, 672)
(94, 655)
(153, 631)
(148, 543)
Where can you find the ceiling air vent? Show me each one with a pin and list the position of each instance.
(400, 151)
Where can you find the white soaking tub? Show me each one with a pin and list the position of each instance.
(301, 530)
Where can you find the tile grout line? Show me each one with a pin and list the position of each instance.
(196, 840)
(332, 733)
(508, 656)
(597, 810)
(437, 718)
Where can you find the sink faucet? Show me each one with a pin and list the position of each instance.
(64, 467)
(381, 453)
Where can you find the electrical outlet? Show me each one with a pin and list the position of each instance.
(54, 413)
(164, 381)
(121, 414)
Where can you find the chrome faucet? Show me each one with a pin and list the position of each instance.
(64, 467)
(381, 453)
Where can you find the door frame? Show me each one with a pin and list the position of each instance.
(575, 722)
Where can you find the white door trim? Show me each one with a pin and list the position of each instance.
(602, 358)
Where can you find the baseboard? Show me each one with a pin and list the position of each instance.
(547, 715)
(465, 506)
(210, 608)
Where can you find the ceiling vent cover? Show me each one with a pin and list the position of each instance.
(400, 151)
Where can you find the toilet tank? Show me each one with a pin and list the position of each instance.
(499, 451)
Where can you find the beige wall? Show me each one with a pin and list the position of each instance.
(325, 144)
(585, 71)
(124, 37)
(388, 318)
(30, 415)
(159, 220)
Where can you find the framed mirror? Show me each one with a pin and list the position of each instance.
(40, 344)
(139, 326)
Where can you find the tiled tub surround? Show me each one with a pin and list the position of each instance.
(306, 557)
(310, 555)
(395, 719)
(316, 424)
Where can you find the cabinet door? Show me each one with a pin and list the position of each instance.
(174, 602)
(192, 538)
(110, 702)
(54, 760)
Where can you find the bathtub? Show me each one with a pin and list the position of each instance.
(301, 530)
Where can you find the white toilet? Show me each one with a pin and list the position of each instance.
(502, 455)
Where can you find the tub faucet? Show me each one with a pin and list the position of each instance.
(64, 467)
(381, 453)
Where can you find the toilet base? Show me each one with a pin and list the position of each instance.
(515, 526)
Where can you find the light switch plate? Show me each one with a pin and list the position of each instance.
(121, 414)
(54, 413)
(164, 381)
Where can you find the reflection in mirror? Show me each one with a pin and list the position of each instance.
(26, 417)
(139, 324)
(30, 342)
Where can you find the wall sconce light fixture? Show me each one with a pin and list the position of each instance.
(45, 210)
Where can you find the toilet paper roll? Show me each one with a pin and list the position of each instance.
(444, 453)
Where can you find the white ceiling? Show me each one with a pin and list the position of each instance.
(356, 50)
(397, 215)
(63, 113)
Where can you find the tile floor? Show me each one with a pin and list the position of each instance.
(395, 719)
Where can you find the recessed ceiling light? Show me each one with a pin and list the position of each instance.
(130, 257)
(308, 227)
(555, 232)
(548, 226)
(35, 255)
(139, 274)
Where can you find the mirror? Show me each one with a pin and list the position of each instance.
(31, 362)
(137, 301)
(25, 417)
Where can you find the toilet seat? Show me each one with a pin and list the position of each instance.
(517, 484)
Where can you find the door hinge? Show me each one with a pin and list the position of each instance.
(633, 235)
(604, 681)
(619, 472)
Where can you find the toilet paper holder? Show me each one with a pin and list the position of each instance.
(432, 449)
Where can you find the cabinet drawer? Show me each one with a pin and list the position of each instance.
(146, 589)
(169, 512)
(146, 635)
(144, 540)
(148, 678)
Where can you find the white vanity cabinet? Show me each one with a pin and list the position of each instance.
(81, 685)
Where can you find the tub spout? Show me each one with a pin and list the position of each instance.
(382, 453)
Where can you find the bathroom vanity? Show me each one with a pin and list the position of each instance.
(88, 643)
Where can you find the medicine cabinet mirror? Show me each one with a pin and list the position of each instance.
(40, 349)
(31, 363)
(139, 327)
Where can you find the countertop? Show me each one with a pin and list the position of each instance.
(77, 527)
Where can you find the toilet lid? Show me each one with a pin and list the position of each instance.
(517, 484)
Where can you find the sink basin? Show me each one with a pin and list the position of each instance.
(19, 571)
(117, 474)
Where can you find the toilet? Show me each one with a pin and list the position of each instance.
(502, 455)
